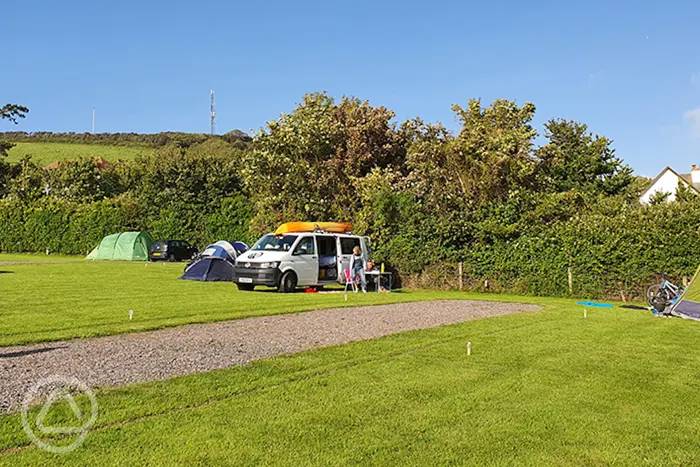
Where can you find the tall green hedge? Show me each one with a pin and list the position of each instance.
(608, 255)
(62, 226)
(66, 227)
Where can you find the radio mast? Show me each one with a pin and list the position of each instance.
(212, 111)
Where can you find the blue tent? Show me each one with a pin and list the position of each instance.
(240, 247)
(224, 250)
(209, 269)
(215, 263)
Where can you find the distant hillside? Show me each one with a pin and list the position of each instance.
(45, 153)
(237, 138)
(46, 147)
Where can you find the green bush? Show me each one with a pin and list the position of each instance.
(229, 221)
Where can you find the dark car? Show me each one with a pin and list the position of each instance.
(171, 250)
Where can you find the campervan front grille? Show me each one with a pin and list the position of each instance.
(267, 276)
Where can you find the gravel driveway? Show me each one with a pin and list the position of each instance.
(156, 355)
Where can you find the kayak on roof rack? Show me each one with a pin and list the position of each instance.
(331, 227)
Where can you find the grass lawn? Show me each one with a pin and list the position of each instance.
(45, 153)
(48, 298)
(540, 388)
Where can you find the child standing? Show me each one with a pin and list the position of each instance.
(357, 267)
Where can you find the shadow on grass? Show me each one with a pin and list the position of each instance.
(24, 353)
(324, 290)
(635, 307)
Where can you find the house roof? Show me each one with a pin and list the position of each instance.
(689, 181)
(685, 177)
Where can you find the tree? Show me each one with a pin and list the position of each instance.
(11, 112)
(304, 163)
(5, 147)
(489, 158)
(576, 159)
(660, 197)
(684, 193)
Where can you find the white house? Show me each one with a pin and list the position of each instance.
(667, 182)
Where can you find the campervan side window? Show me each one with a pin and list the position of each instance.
(306, 246)
(347, 244)
(326, 245)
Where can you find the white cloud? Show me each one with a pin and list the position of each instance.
(692, 117)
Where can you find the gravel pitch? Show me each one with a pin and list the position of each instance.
(157, 355)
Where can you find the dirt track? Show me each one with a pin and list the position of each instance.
(156, 355)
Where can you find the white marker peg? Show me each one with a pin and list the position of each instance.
(131, 314)
(469, 347)
(585, 312)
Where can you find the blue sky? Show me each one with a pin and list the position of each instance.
(631, 71)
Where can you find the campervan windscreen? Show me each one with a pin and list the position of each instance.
(275, 243)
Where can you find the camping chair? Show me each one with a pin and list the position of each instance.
(349, 280)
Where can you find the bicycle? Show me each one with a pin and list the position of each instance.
(661, 296)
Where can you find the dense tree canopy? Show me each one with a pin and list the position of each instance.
(574, 159)
(303, 165)
(489, 158)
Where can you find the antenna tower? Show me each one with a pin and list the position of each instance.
(212, 111)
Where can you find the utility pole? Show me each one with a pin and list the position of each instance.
(93, 121)
(212, 111)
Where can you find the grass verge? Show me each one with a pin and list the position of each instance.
(540, 388)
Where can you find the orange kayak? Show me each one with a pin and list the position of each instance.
(331, 227)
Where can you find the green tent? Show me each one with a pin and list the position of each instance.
(125, 246)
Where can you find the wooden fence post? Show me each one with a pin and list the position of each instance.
(460, 268)
(571, 281)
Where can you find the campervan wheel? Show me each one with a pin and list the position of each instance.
(288, 282)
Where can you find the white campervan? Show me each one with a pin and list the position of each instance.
(293, 259)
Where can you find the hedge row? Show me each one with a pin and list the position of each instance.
(616, 256)
(66, 227)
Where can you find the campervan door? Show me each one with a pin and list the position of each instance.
(346, 243)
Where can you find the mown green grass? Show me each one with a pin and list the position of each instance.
(46, 298)
(36, 258)
(619, 387)
(45, 153)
